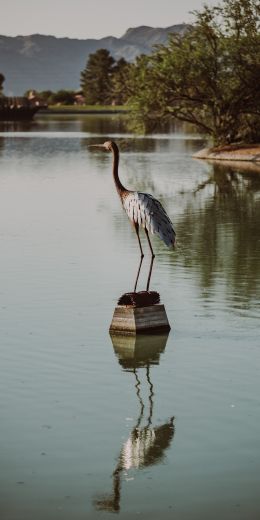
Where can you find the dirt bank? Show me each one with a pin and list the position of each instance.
(231, 153)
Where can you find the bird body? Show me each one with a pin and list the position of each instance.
(142, 209)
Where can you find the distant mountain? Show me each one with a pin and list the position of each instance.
(46, 62)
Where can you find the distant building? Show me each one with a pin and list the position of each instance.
(36, 100)
(79, 99)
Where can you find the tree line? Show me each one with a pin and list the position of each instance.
(104, 80)
(208, 77)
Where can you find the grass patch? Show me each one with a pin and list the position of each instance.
(92, 108)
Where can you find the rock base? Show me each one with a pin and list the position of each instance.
(131, 320)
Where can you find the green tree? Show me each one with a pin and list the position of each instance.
(46, 95)
(209, 77)
(64, 97)
(96, 78)
(120, 82)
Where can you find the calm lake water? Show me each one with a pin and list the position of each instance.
(161, 427)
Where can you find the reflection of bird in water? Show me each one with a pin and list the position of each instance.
(142, 209)
(146, 444)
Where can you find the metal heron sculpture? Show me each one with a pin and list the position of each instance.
(143, 210)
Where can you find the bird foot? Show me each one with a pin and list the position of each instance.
(139, 299)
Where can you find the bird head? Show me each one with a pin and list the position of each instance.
(108, 145)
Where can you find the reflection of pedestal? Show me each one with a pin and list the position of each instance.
(141, 350)
(131, 320)
(147, 443)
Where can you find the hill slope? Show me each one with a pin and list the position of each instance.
(46, 62)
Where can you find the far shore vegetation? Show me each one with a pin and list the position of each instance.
(85, 108)
(208, 77)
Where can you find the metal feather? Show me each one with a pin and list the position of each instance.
(143, 209)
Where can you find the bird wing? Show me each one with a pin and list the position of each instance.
(145, 210)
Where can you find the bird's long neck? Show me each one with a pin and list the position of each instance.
(119, 186)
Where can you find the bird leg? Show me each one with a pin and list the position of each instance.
(152, 259)
(142, 254)
(138, 272)
(149, 242)
(139, 241)
(150, 273)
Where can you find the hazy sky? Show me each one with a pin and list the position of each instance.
(91, 18)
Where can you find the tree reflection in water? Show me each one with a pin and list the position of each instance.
(146, 444)
(216, 223)
(219, 229)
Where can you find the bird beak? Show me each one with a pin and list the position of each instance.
(96, 146)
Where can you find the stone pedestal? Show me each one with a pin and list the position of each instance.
(132, 320)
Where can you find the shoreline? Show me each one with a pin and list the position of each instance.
(246, 153)
(71, 111)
